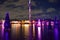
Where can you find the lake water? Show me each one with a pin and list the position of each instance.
(28, 32)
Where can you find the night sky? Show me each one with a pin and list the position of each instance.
(18, 9)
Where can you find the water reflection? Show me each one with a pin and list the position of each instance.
(33, 31)
(56, 34)
(39, 33)
(22, 31)
(7, 35)
(15, 30)
(26, 31)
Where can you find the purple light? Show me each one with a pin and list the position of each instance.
(39, 33)
(6, 36)
(3, 24)
(43, 25)
(3, 27)
(52, 23)
(39, 23)
(47, 23)
(56, 33)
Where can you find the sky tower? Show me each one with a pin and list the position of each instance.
(31, 28)
(29, 9)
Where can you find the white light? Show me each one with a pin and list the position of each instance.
(39, 33)
(3, 24)
(3, 27)
(26, 29)
(26, 25)
(15, 21)
(27, 21)
(15, 25)
(33, 29)
(29, 1)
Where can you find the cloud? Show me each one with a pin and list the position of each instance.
(51, 10)
(19, 10)
(11, 6)
(48, 13)
(53, 1)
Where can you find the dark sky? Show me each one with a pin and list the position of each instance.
(48, 3)
(18, 9)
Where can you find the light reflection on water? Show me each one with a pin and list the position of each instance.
(56, 34)
(15, 31)
(6, 35)
(39, 33)
(26, 31)
(20, 32)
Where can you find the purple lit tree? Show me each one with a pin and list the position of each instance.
(7, 24)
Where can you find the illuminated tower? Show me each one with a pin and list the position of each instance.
(29, 9)
(31, 28)
(7, 24)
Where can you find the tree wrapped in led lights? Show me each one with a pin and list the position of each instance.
(7, 24)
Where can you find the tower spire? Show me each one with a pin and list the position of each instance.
(29, 9)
